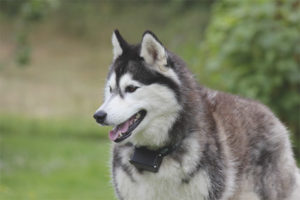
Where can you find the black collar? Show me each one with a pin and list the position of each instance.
(150, 160)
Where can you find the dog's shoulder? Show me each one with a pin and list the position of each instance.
(234, 108)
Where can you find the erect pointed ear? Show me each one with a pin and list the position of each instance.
(152, 50)
(119, 44)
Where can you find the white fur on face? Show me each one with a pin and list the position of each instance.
(161, 106)
(158, 100)
(111, 83)
(119, 109)
(117, 50)
(162, 110)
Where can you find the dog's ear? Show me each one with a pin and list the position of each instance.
(119, 44)
(152, 50)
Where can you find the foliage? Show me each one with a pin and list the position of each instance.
(26, 13)
(254, 46)
(31, 10)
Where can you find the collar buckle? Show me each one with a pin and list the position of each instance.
(146, 159)
(150, 160)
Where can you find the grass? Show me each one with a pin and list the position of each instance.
(41, 159)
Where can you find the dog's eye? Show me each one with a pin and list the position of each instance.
(131, 88)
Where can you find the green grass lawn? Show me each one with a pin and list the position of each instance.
(43, 165)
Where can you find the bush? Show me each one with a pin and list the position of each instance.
(254, 46)
(25, 13)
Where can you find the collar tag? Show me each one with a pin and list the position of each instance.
(146, 159)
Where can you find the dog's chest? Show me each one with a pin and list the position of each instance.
(167, 183)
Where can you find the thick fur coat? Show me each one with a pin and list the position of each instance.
(227, 147)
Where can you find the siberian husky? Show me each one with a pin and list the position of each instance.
(175, 139)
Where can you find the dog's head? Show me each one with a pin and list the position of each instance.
(142, 92)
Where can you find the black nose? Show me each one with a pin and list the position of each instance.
(100, 116)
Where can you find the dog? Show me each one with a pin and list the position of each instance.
(176, 139)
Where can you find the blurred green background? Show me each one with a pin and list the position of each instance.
(54, 56)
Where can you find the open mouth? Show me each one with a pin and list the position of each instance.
(124, 130)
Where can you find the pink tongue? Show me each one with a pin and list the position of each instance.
(123, 128)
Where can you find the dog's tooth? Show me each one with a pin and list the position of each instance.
(138, 115)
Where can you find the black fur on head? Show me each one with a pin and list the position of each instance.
(131, 61)
(122, 42)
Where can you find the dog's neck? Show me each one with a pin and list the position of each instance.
(146, 159)
(149, 157)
